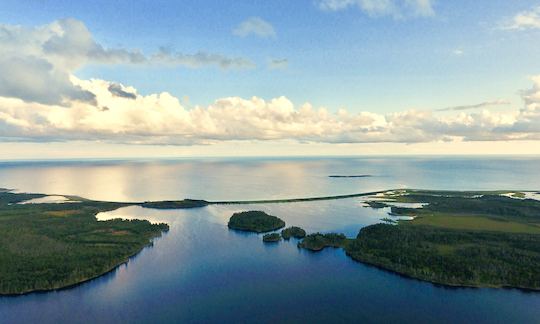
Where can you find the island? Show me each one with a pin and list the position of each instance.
(271, 238)
(293, 231)
(255, 221)
(351, 176)
(175, 204)
(47, 246)
(375, 204)
(317, 241)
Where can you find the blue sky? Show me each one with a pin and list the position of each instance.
(342, 59)
(390, 64)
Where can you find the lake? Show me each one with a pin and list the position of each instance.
(200, 271)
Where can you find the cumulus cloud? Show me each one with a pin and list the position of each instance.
(486, 104)
(524, 20)
(376, 8)
(162, 119)
(37, 62)
(255, 26)
(37, 80)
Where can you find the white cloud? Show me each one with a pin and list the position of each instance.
(162, 119)
(36, 62)
(524, 20)
(458, 52)
(255, 26)
(278, 64)
(376, 8)
(35, 79)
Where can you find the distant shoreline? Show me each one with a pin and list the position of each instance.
(194, 203)
(289, 200)
(351, 176)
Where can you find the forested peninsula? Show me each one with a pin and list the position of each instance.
(471, 239)
(47, 246)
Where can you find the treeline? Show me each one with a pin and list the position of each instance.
(255, 221)
(451, 257)
(175, 204)
(319, 241)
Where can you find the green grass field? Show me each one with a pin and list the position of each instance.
(475, 223)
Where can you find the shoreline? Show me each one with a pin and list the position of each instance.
(439, 284)
(291, 200)
(80, 283)
(179, 204)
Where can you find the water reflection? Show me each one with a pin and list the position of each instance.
(234, 179)
(48, 200)
(345, 215)
(201, 272)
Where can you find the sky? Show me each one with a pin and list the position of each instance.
(307, 77)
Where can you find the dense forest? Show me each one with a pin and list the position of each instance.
(293, 231)
(319, 241)
(175, 204)
(51, 246)
(255, 221)
(451, 257)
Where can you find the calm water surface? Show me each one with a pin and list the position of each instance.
(202, 272)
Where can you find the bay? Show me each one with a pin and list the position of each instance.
(200, 271)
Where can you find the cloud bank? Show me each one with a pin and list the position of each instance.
(124, 116)
(41, 101)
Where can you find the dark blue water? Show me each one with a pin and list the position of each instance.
(202, 272)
